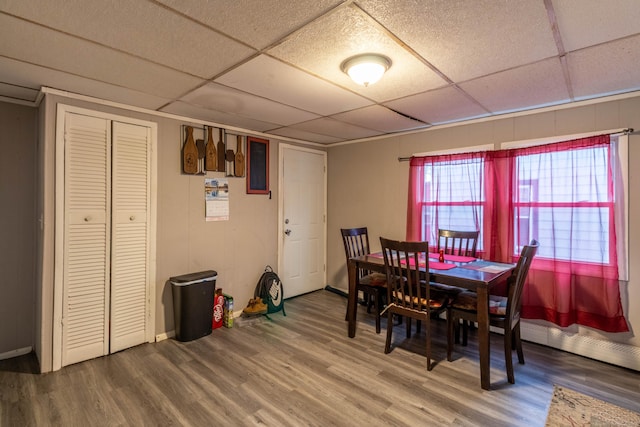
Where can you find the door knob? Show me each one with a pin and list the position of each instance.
(287, 232)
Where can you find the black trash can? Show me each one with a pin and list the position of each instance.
(193, 304)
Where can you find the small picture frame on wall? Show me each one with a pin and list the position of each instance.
(257, 165)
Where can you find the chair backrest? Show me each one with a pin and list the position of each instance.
(356, 241)
(403, 260)
(518, 278)
(453, 242)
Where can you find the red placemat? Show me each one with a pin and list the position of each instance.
(433, 265)
(453, 258)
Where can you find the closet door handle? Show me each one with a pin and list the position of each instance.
(132, 217)
(87, 218)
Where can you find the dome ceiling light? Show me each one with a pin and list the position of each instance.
(366, 69)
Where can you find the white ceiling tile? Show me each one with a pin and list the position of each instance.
(585, 23)
(218, 117)
(335, 128)
(153, 32)
(304, 135)
(379, 118)
(348, 32)
(39, 45)
(222, 98)
(258, 25)
(438, 106)
(467, 39)
(274, 80)
(530, 86)
(35, 77)
(606, 68)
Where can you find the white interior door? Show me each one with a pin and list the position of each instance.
(85, 325)
(302, 220)
(129, 235)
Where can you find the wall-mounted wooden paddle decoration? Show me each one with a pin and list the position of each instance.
(239, 160)
(190, 154)
(201, 155)
(230, 157)
(221, 148)
(211, 159)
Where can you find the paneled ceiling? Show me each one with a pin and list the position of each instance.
(273, 66)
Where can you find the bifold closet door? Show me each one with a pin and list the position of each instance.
(130, 235)
(106, 237)
(87, 222)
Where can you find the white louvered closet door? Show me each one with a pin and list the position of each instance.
(106, 249)
(86, 238)
(129, 240)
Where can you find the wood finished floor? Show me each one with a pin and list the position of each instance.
(302, 370)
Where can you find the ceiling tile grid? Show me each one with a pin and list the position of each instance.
(274, 66)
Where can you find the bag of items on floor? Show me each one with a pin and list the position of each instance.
(268, 296)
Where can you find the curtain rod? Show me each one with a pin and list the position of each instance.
(627, 131)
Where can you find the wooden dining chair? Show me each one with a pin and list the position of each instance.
(408, 293)
(504, 312)
(373, 285)
(456, 242)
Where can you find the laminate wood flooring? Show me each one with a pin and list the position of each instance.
(303, 370)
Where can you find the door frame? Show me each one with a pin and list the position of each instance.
(58, 282)
(281, 149)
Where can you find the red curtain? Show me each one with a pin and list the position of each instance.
(563, 196)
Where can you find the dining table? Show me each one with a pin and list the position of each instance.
(469, 273)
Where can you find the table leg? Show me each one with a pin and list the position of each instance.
(352, 301)
(483, 337)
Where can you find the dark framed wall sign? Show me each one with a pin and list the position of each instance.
(257, 165)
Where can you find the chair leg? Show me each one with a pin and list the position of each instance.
(508, 358)
(518, 343)
(376, 305)
(418, 326)
(465, 332)
(408, 322)
(427, 331)
(387, 345)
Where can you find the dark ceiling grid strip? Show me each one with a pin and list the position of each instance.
(562, 54)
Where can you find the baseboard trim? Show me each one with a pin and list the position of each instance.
(16, 353)
(165, 335)
(624, 355)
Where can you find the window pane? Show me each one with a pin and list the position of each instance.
(566, 176)
(577, 234)
(461, 218)
(455, 182)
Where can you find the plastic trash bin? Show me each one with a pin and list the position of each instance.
(193, 304)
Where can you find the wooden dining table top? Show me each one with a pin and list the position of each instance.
(469, 275)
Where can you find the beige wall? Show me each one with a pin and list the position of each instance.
(368, 186)
(18, 136)
(237, 249)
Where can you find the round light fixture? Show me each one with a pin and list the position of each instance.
(366, 69)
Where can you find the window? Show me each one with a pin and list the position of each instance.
(569, 196)
(454, 197)
(564, 197)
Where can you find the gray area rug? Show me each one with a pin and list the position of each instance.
(570, 408)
